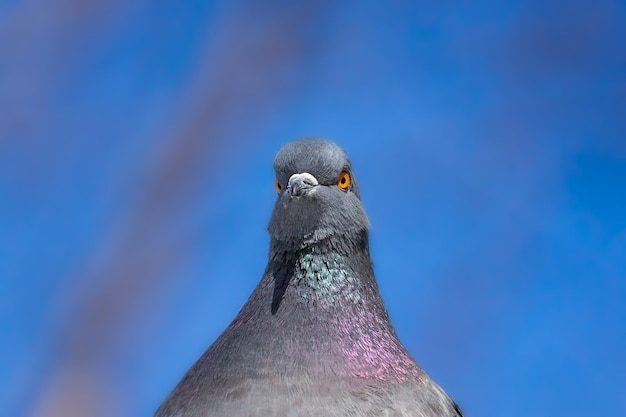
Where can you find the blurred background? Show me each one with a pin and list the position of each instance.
(136, 143)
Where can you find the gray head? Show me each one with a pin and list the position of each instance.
(318, 196)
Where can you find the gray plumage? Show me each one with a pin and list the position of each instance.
(314, 338)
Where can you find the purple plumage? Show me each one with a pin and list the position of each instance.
(314, 338)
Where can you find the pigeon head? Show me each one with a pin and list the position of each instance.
(318, 196)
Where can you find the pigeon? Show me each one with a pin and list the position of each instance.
(314, 338)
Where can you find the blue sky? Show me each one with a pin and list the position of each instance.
(136, 142)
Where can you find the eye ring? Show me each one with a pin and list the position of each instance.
(344, 180)
(278, 187)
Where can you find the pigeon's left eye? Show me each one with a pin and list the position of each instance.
(278, 187)
(344, 180)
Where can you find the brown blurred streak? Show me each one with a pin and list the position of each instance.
(131, 275)
(173, 180)
(191, 150)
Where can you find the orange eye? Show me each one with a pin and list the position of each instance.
(278, 187)
(344, 180)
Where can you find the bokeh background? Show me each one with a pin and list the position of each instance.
(136, 142)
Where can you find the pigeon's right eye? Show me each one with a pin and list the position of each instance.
(278, 187)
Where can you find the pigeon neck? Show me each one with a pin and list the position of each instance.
(322, 272)
(356, 243)
(326, 294)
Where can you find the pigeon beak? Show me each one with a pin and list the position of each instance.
(301, 183)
